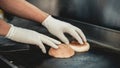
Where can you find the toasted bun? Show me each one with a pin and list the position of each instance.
(78, 47)
(64, 51)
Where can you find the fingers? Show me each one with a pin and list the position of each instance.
(41, 46)
(49, 42)
(81, 34)
(53, 40)
(75, 35)
(62, 37)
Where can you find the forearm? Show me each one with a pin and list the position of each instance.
(4, 27)
(23, 9)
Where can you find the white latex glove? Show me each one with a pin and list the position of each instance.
(31, 37)
(58, 28)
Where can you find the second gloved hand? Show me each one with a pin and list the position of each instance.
(58, 28)
(31, 37)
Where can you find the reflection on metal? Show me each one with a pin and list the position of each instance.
(7, 45)
(111, 16)
(11, 65)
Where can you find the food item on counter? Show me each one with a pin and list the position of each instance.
(64, 51)
(68, 50)
(78, 47)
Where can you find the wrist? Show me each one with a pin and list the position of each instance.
(43, 17)
(47, 20)
(4, 28)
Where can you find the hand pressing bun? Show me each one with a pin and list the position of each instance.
(68, 50)
(78, 47)
(64, 51)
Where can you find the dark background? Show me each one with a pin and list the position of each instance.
(99, 12)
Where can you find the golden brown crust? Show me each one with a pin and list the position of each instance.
(67, 51)
(64, 51)
(79, 47)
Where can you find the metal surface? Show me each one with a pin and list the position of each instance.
(105, 45)
(11, 65)
(101, 55)
(95, 58)
(100, 35)
(7, 45)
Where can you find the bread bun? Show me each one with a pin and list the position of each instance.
(78, 47)
(64, 51)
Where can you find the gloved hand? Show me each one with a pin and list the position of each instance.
(58, 28)
(31, 37)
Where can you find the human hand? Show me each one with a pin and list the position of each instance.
(58, 28)
(31, 37)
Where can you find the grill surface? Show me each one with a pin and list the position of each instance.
(95, 58)
(99, 56)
